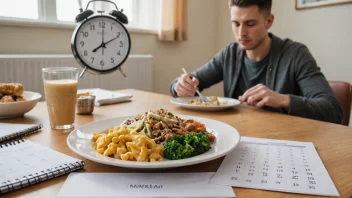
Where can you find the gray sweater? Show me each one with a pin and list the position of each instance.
(292, 70)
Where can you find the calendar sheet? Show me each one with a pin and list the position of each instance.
(276, 165)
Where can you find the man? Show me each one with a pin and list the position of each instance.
(264, 70)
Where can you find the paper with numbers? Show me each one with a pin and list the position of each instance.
(276, 165)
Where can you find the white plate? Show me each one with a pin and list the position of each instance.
(183, 102)
(16, 109)
(80, 141)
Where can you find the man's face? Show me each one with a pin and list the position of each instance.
(250, 26)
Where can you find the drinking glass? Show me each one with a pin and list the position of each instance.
(60, 87)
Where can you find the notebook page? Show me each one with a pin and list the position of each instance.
(27, 158)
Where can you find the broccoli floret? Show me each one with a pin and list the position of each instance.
(199, 141)
(180, 139)
(174, 150)
(185, 146)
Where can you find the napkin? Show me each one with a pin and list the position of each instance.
(105, 97)
(150, 185)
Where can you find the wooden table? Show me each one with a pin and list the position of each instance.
(333, 142)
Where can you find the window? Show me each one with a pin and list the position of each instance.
(66, 10)
(141, 14)
(19, 8)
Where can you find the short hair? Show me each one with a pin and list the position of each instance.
(264, 5)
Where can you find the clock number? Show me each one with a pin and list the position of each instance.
(118, 53)
(121, 44)
(118, 35)
(102, 63)
(92, 27)
(92, 59)
(112, 60)
(82, 43)
(85, 53)
(102, 24)
(85, 34)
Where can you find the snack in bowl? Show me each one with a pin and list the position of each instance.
(11, 92)
(153, 136)
(85, 103)
(214, 101)
(83, 94)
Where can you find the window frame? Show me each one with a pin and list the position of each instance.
(47, 18)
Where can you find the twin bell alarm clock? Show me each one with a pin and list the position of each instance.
(101, 42)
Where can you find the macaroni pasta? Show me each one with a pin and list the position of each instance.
(127, 144)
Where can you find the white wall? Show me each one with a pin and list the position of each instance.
(225, 35)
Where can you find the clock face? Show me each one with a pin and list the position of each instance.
(101, 43)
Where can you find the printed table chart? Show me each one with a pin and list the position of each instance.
(276, 165)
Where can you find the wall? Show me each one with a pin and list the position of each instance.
(225, 35)
(168, 57)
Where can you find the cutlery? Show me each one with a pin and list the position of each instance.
(198, 92)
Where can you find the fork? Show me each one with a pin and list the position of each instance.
(198, 92)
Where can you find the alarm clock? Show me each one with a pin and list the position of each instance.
(101, 43)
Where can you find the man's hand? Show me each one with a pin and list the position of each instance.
(260, 96)
(186, 85)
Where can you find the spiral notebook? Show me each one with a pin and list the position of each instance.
(24, 163)
(11, 131)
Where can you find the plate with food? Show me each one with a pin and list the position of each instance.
(154, 139)
(215, 103)
(14, 101)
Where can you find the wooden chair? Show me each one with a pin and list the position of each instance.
(343, 92)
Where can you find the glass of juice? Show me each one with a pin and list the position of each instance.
(60, 87)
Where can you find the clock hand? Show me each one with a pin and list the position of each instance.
(110, 40)
(102, 42)
(101, 45)
(102, 36)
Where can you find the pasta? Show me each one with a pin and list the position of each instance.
(127, 144)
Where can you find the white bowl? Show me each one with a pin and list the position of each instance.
(16, 109)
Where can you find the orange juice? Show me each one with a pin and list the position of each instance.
(61, 100)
